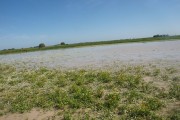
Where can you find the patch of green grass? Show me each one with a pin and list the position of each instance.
(122, 109)
(156, 72)
(171, 70)
(112, 100)
(165, 77)
(104, 77)
(153, 104)
(67, 116)
(162, 94)
(175, 115)
(90, 76)
(61, 82)
(142, 113)
(83, 95)
(176, 78)
(134, 96)
(21, 102)
(128, 80)
(175, 91)
(138, 112)
(101, 94)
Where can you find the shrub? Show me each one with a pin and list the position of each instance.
(41, 45)
(62, 43)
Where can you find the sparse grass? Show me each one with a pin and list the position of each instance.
(174, 91)
(98, 94)
(175, 114)
(112, 100)
(156, 72)
(153, 104)
(67, 116)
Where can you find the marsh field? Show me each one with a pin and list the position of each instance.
(129, 81)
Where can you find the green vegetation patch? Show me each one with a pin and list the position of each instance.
(102, 94)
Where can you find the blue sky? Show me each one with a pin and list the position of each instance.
(26, 23)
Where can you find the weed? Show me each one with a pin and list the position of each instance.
(79, 81)
(128, 80)
(22, 102)
(111, 100)
(122, 109)
(165, 77)
(99, 92)
(74, 103)
(171, 70)
(86, 117)
(67, 116)
(41, 81)
(174, 91)
(162, 94)
(1, 113)
(104, 77)
(140, 113)
(59, 98)
(153, 104)
(60, 82)
(156, 72)
(133, 96)
(83, 95)
(175, 115)
(176, 78)
(74, 88)
(90, 77)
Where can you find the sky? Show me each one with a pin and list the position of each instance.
(26, 23)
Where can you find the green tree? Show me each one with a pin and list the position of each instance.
(41, 45)
(62, 43)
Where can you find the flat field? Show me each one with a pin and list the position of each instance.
(123, 81)
(82, 44)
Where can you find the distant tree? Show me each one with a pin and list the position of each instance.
(165, 35)
(12, 49)
(41, 45)
(62, 43)
(156, 36)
